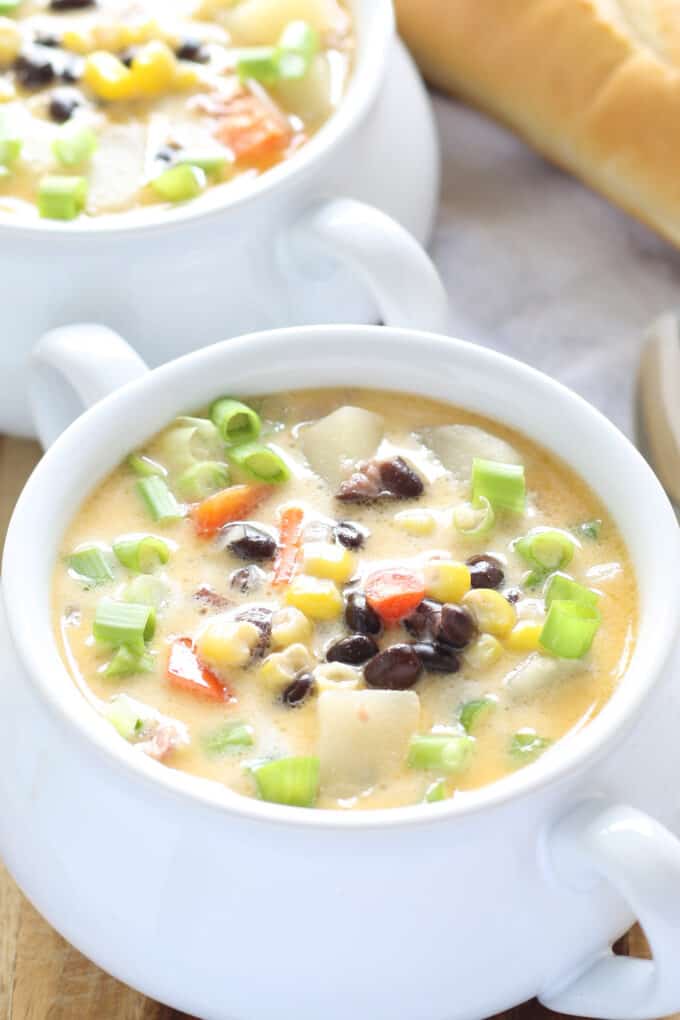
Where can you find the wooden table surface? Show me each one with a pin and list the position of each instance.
(41, 976)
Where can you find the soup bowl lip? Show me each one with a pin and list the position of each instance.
(374, 24)
(24, 558)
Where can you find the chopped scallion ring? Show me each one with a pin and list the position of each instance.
(569, 628)
(124, 623)
(503, 485)
(202, 480)
(144, 466)
(546, 549)
(472, 521)
(440, 752)
(258, 62)
(526, 746)
(61, 198)
(260, 462)
(126, 663)
(293, 781)
(75, 144)
(92, 564)
(158, 499)
(147, 590)
(229, 738)
(566, 589)
(435, 792)
(142, 553)
(472, 713)
(236, 422)
(180, 183)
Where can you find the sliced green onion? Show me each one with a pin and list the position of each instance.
(144, 466)
(236, 422)
(260, 462)
(191, 441)
(293, 781)
(589, 529)
(258, 62)
(9, 6)
(567, 590)
(569, 628)
(298, 45)
(128, 663)
(10, 149)
(146, 590)
(61, 198)
(92, 564)
(440, 752)
(211, 161)
(202, 479)
(472, 713)
(546, 550)
(74, 144)
(180, 183)
(142, 553)
(435, 791)
(228, 738)
(502, 484)
(122, 714)
(158, 499)
(124, 623)
(526, 746)
(472, 521)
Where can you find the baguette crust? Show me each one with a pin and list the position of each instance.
(592, 84)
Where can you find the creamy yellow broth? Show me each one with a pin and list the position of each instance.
(571, 696)
(146, 86)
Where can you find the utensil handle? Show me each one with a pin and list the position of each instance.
(401, 276)
(641, 859)
(73, 367)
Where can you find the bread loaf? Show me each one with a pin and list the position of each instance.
(592, 84)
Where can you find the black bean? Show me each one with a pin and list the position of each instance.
(70, 5)
(354, 650)
(400, 479)
(246, 579)
(350, 535)
(193, 49)
(456, 626)
(436, 657)
(249, 543)
(485, 571)
(424, 619)
(299, 690)
(46, 39)
(512, 595)
(395, 669)
(70, 69)
(128, 55)
(34, 67)
(360, 617)
(63, 104)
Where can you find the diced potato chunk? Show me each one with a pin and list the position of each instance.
(364, 737)
(227, 643)
(536, 673)
(335, 444)
(325, 559)
(456, 446)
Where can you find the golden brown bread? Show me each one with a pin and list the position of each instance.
(592, 84)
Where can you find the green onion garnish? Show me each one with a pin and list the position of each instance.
(179, 183)
(440, 752)
(10, 146)
(147, 590)
(121, 713)
(74, 144)
(260, 462)
(144, 466)
(589, 529)
(472, 521)
(142, 553)
(545, 550)
(502, 484)
(124, 623)
(91, 564)
(236, 422)
(472, 713)
(435, 791)
(158, 499)
(61, 198)
(298, 45)
(569, 628)
(258, 62)
(232, 736)
(9, 6)
(128, 663)
(567, 590)
(202, 479)
(526, 746)
(293, 781)
(211, 161)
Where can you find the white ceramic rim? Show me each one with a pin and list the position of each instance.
(24, 561)
(374, 26)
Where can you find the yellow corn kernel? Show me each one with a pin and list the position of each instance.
(524, 636)
(77, 40)
(187, 76)
(107, 76)
(334, 562)
(153, 69)
(226, 643)
(289, 627)
(335, 676)
(483, 652)
(10, 41)
(280, 668)
(7, 91)
(317, 598)
(446, 580)
(415, 522)
(493, 614)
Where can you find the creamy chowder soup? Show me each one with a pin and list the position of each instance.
(344, 599)
(109, 105)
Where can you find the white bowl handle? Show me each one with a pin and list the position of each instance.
(73, 367)
(402, 278)
(641, 859)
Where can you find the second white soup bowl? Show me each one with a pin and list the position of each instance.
(234, 909)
